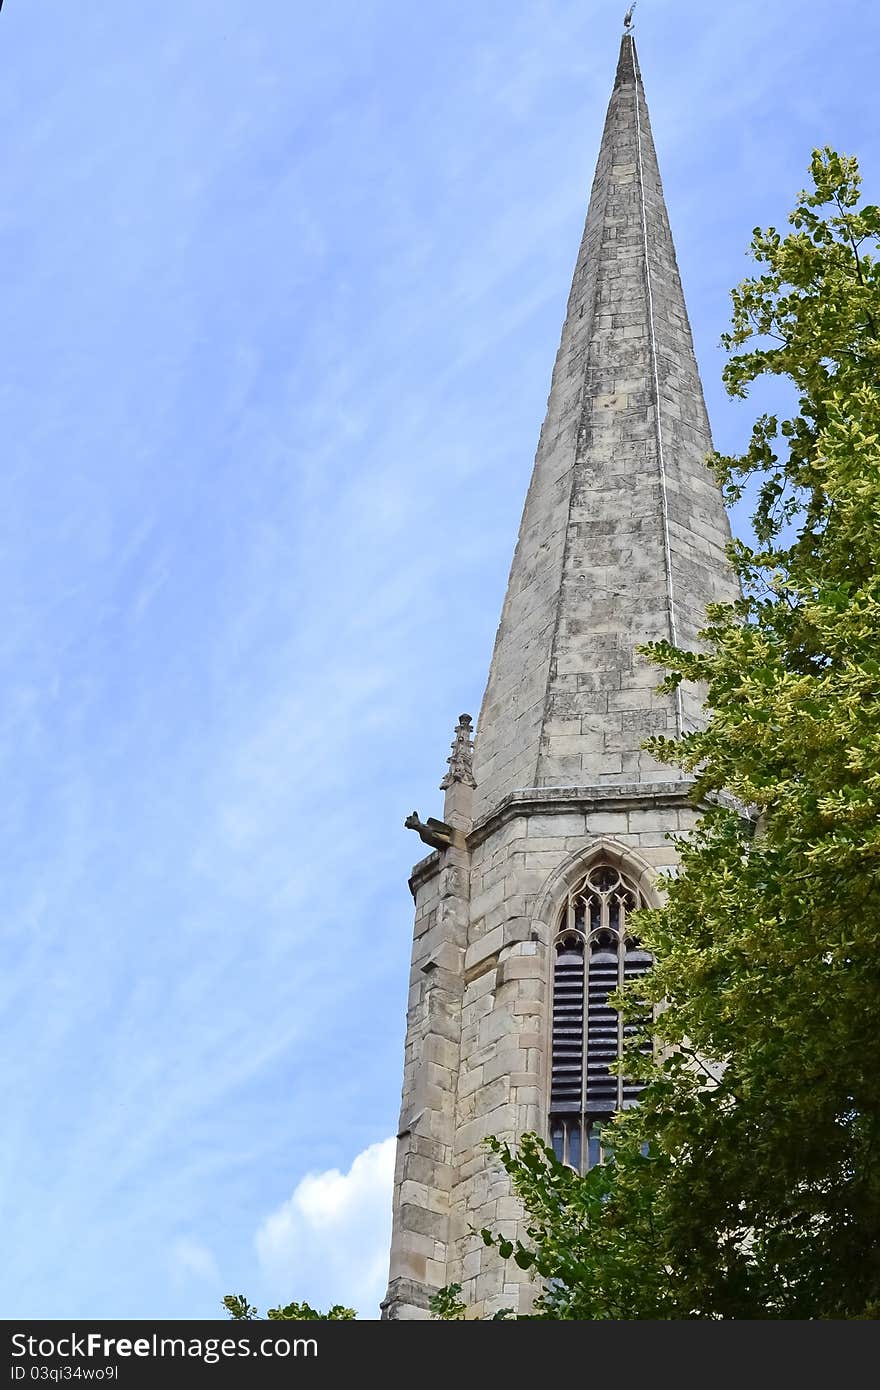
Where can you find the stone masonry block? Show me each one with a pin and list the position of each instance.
(520, 968)
(421, 1222)
(484, 901)
(445, 957)
(483, 948)
(553, 826)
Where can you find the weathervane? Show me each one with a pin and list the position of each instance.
(628, 18)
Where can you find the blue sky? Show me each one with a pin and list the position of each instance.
(281, 289)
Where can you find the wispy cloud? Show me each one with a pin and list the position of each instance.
(192, 1261)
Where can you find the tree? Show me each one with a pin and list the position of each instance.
(238, 1308)
(748, 1185)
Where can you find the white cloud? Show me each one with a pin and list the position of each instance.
(328, 1243)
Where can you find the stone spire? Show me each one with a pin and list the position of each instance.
(623, 532)
(622, 540)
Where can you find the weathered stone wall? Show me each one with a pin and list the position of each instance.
(486, 1070)
(519, 877)
(424, 1170)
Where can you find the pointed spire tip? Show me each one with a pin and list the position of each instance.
(627, 63)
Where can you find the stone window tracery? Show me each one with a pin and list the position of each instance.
(595, 952)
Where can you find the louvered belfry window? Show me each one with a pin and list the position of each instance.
(595, 953)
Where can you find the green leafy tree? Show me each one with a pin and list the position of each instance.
(769, 948)
(747, 1182)
(238, 1307)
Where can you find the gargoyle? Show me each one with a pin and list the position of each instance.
(435, 833)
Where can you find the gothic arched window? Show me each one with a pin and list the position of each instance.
(595, 953)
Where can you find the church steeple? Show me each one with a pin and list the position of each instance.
(623, 531)
(522, 908)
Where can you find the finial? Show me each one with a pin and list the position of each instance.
(628, 18)
(461, 760)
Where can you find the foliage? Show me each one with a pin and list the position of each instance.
(769, 947)
(238, 1308)
(447, 1306)
(593, 1265)
(750, 1187)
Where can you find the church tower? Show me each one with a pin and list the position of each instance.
(555, 819)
